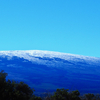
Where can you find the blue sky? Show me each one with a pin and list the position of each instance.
(70, 26)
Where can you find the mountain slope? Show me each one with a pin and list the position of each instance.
(45, 70)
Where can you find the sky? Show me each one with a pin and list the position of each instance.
(69, 26)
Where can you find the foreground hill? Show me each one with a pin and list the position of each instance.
(45, 70)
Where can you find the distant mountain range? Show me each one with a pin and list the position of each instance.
(47, 71)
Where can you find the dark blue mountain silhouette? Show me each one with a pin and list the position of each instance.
(54, 72)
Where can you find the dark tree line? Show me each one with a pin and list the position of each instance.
(12, 90)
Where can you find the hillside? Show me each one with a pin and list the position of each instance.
(46, 70)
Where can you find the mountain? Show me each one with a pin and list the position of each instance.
(47, 71)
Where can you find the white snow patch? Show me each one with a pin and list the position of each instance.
(31, 54)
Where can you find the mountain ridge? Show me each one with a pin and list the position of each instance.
(41, 53)
(45, 70)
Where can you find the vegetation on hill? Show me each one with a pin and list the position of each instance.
(12, 90)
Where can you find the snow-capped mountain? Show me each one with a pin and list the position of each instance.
(46, 70)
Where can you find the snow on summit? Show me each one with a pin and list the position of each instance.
(32, 54)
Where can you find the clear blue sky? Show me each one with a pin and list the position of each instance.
(70, 26)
